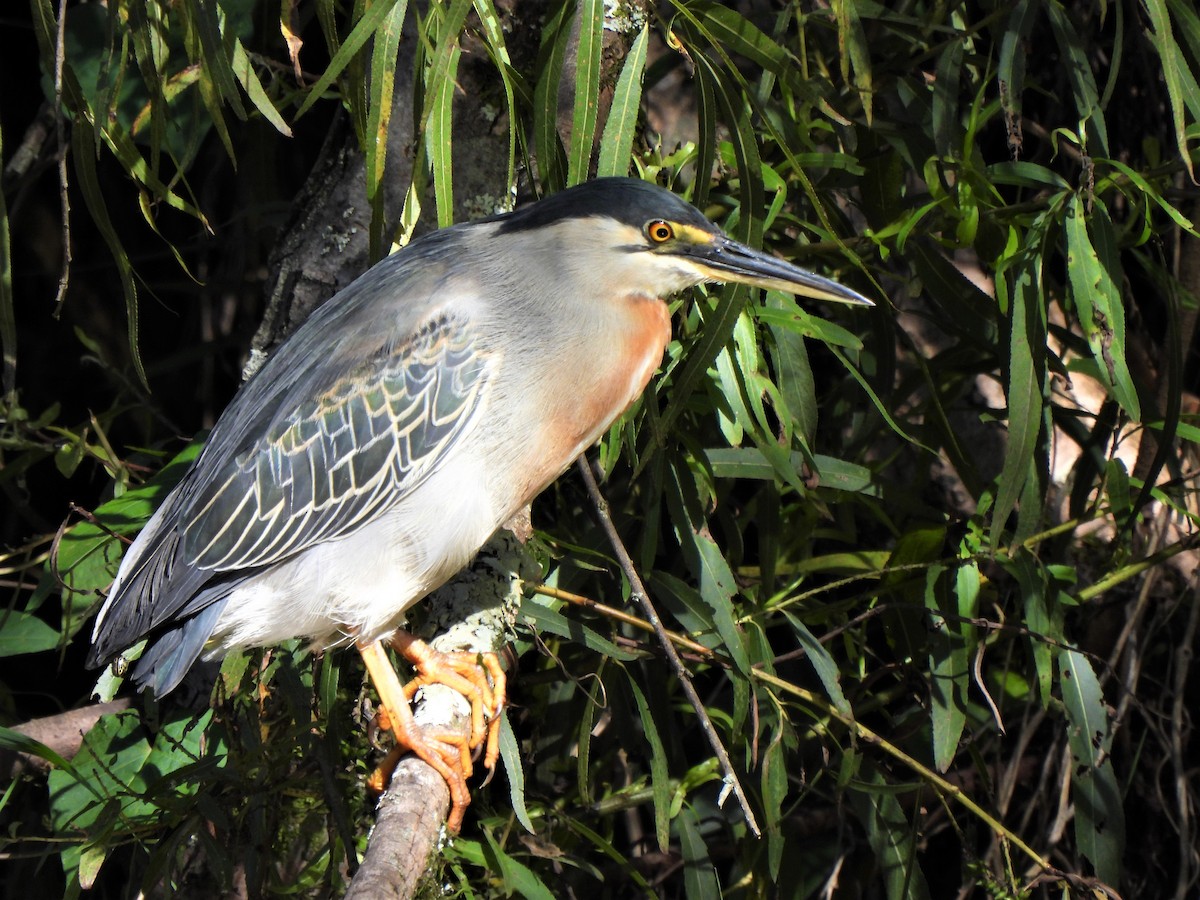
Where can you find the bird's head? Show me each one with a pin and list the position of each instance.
(624, 233)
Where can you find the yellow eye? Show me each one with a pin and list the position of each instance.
(659, 231)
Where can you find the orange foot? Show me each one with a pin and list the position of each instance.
(447, 752)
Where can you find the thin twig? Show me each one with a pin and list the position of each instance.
(60, 52)
(621, 616)
(1180, 732)
(639, 593)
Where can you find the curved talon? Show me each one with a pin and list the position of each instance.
(446, 758)
(450, 753)
(467, 673)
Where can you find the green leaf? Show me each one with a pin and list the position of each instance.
(854, 51)
(243, 70)
(439, 139)
(949, 665)
(1078, 69)
(1026, 380)
(1032, 578)
(556, 35)
(517, 876)
(890, 835)
(1098, 299)
(1181, 83)
(616, 144)
(795, 378)
(946, 125)
(510, 755)
(379, 117)
(699, 875)
(1011, 69)
(725, 27)
(21, 632)
(8, 322)
(659, 781)
(545, 619)
(717, 589)
(364, 29)
(824, 664)
(1099, 814)
(589, 54)
(20, 743)
(493, 32)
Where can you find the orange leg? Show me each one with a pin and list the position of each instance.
(468, 674)
(448, 752)
(444, 757)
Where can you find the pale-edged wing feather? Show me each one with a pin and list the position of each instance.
(354, 411)
(336, 460)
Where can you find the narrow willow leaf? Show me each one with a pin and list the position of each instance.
(439, 110)
(879, 405)
(1026, 174)
(717, 589)
(515, 875)
(1099, 813)
(890, 835)
(1042, 628)
(659, 781)
(727, 28)
(1098, 299)
(553, 622)
(699, 875)
(744, 138)
(1078, 69)
(150, 53)
(207, 20)
(243, 69)
(583, 754)
(706, 123)
(1026, 380)
(588, 58)
(21, 743)
(121, 145)
(854, 52)
(961, 306)
(510, 755)
(795, 377)
(210, 96)
(946, 127)
(379, 107)
(1010, 72)
(715, 334)
(949, 669)
(364, 29)
(824, 664)
(750, 462)
(774, 788)
(796, 318)
(1181, 84)
(8, 321)
(616, 144)
(83, 155)
(550, 158)
(493, 33)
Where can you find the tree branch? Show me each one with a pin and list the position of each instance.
(664, 639)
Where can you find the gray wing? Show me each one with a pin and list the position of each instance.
(362, 404)
(335, 461)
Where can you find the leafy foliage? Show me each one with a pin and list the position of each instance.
(932, 562)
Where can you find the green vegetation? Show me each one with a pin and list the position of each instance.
(936, 557)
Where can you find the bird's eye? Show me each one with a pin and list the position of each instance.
(659, 231)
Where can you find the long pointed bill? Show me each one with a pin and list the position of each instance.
(727, 260)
